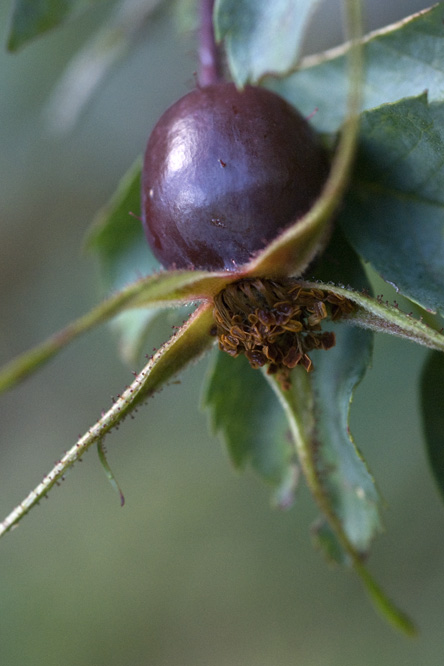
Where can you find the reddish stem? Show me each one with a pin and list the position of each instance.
(210, 70)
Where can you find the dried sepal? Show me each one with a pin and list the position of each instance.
(275, 322)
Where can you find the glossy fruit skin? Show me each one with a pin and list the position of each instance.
(225, 171)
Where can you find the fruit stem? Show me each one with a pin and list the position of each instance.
(210, 70)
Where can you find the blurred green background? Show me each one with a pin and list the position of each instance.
(196, 569)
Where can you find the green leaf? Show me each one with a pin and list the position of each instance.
(247, 415)
(186, 15)
(339, 264)
(346, 481)
(325, 538)
(394, 215)
(401, 61)
(317, 407)
(94, 61)
(31, 18)
(299, 406)
(432, 402)
(108, 471)
(250, 28)
(159, 290)
(117, 238)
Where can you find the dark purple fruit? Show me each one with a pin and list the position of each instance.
(224, 172)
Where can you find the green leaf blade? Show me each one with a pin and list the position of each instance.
(298, 404)
(249, 30)
(394, 215)
(246, 414)
(89, 66)
(108, 471)
(32, 18)
(116, 235)
(117, 238)
(347, 481)
(401, 60)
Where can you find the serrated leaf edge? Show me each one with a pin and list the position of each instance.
(300, 425)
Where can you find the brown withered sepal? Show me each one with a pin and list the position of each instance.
(276, 322)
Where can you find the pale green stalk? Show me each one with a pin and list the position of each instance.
(188, 343)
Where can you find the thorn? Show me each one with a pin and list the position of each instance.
(313, 113)
(135, 216)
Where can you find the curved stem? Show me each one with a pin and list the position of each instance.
(210, 70)
(158, 290)
(188, 344)
(25, 364)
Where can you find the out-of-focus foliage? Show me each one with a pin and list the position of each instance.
(389, 131)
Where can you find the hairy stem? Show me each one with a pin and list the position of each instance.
(158, 290)
(190, 342)
(24, 365)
